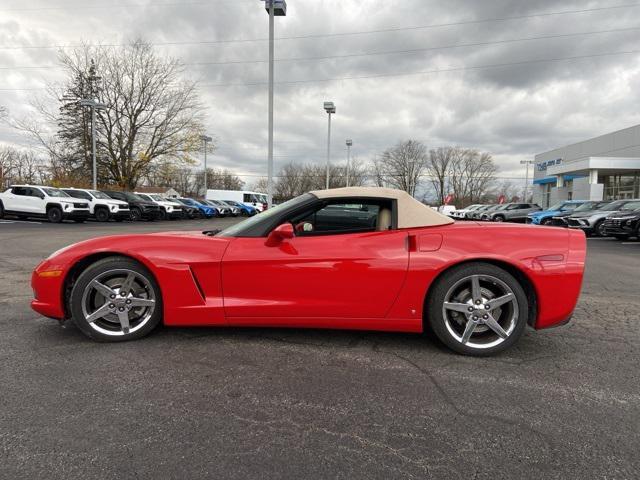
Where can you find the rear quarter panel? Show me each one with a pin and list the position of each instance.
(551, 259)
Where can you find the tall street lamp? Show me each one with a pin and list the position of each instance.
(349, 144)
(526, 178)
(275, 8)
(205, 139)
(330, 108)
(94, 105)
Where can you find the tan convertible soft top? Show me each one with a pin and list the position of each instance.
(411, 212)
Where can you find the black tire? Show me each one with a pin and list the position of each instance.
(54, 215)
(435, 316)
(102, 214)
(136, 214)
(162, 214)
(74, 301)
(599, 230)
(1, 210)
(499, 218)
(546, 221)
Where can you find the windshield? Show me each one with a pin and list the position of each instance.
(613, 206)
(133, 197)
(237, 229)
(586, 206)
(564, 205)
(631, 206)
(157, 198)
(97, 194)
(54, 192)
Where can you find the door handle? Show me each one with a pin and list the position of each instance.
(412, 243)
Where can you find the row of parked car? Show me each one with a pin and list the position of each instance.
(77, 204)
(618, 218)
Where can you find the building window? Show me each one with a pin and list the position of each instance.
(621, 187)
(546, 195)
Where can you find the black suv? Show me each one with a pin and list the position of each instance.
(139, 207)
(625, 223)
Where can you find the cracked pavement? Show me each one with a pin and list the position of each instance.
(259, 403)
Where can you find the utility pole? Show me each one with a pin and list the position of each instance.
(91, 103)
(330, 108)
(349, 144)
(274, 8)
(526, 178)
(205, 139)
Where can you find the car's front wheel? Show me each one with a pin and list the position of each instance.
(600, 229)
(54, 215)
(498, 218)
(477, 309)
(116, 299)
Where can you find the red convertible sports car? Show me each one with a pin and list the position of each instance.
(350, 258)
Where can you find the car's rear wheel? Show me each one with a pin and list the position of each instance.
(116, 299)
(546, 221)
(54, 215)
(477, 309)
(498, 218)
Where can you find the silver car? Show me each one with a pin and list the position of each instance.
(512, 212)
(592, 222)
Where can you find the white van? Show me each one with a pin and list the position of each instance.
(257, 200)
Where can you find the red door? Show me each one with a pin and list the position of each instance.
(342, 276)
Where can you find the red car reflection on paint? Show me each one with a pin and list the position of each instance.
(354, 258)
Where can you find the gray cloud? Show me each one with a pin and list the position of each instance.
(511, 111)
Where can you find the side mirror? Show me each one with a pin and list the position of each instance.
(279, 234)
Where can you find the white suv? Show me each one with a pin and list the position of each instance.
(29, 201)
(168, 209)
(101, 206)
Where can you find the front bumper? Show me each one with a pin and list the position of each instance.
(46, 282)
(76, 214)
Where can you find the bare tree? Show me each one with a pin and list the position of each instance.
(401, 166)
(471, 175)
(218, 179)
(438, 167)
(152, 114)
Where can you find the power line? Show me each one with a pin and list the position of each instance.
(389, 75)
(385, 52)
(126, 5)
(425, 72)
(338, 34)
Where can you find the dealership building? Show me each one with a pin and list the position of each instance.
(602, 168)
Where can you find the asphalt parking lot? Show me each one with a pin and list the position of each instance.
(258, 403)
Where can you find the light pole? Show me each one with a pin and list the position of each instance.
(275, 8)
(205, 139)
(526, 178)
(94, 105)
(330, 108)
(349, 144)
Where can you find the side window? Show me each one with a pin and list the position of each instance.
(345, 217)
(34, 192)
(21, 191)
(247, 198)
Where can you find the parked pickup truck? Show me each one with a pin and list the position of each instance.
(26, 201)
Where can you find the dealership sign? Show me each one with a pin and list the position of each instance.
(542, 166)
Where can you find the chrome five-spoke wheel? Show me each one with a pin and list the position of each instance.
(480, 311)
(477, 309)
(116, 299)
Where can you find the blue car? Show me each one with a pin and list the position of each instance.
(205, 210)
(545, 217)
(245, 210)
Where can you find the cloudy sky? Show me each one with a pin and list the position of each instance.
(460, 72)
